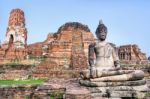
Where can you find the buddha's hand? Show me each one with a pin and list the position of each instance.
(85, 74)
(92, 72)
(118, 68)
(117, 65)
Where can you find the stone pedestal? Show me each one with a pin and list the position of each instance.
(77, 94)
(117, 86)
(118, 91)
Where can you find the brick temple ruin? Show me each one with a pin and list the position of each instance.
(14, 46)
(132, 54)
(66, 49)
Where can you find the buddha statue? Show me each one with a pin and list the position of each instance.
(106, 56)
(104, 67)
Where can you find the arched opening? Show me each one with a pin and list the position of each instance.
(11, 39)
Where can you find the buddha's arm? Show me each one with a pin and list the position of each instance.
(116, 58)
(91, 60)
(91, 55)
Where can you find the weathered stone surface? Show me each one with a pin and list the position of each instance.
(111, 98)
(35, 49)
(105, 89)
(49, 86)
(77, 94)
(136, 75)
(98, 95)
(70, 89)
(122, 94)
(106, 84)
(132, 94)
(11, 72)
(118, 91)
(140, 88)
(46, 91)
(75, 91)
(86, 74)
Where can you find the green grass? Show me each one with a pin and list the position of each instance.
(21, 82)
(147, 94)
(56, 95)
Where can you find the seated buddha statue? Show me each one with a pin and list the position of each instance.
(105, 78)
(107, 62)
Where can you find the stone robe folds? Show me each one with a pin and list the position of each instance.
(105, 56)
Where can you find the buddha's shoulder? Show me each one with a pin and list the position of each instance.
(92, 44)
(111, 45)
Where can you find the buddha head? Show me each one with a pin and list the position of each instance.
(101, 31)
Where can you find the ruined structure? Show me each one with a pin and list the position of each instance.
(132, 54)
(66, 49)
(71, 40)
(16, 31)
(14, 46)
(35, 49)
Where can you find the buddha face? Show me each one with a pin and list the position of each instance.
(101, 35)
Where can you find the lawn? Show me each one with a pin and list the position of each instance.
(21, 82)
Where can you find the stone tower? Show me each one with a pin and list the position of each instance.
(16, 33)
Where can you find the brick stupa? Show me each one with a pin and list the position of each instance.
(67, 51)
(14, 46)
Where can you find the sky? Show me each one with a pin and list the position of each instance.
(128, 21)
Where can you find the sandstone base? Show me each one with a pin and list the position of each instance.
(116, 89)
(78, 94)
